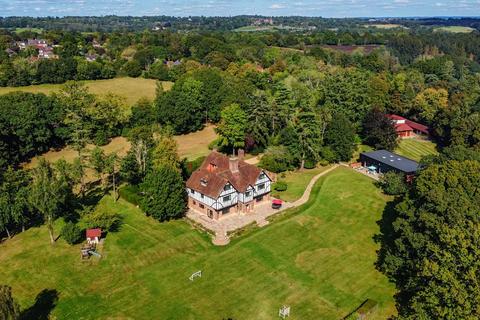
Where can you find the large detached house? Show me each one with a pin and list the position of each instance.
(222, 185)
(406, 128)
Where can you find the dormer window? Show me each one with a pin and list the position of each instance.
(203, 182)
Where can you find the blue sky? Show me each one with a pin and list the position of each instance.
(327, 8)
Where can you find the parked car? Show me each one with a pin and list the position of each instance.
(276, 204)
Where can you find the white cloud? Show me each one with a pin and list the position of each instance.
(277, 6)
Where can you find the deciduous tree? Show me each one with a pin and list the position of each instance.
(48, 193)
(13, 203)
(164, 193)
(232, 127)
(9, 309)
(379, 131)
(432, 252)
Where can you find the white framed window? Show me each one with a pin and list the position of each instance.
(227, 187)
(226, 198)
(261, 186)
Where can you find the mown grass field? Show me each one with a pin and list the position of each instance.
(131, 89)
(297, 182)
(319, 260)
(195, 144)
(455, 29)
(190, 146)
(385, 26)
(36, 30)
(416, 149)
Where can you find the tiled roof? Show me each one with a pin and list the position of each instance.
(215, 173)
(92, 233)
(412, 124)
(395, 117)
(403, 127)
(417, 126)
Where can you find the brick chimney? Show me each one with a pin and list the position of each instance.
(233, 164)
(241, 154)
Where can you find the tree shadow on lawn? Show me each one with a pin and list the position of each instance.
(45, 302)
(387, 235)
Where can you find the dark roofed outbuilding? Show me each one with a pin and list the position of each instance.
(386, 161)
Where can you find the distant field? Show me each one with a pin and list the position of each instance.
(455, 29)
(385, 26)
(132, 89)
(266, 28)
(367, 49)
(194, 145)
(36, 30)
(319, 259)
(415, 149)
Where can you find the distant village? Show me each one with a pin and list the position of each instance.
(44, 50)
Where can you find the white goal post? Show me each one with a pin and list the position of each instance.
(194, 275)
(284, 312)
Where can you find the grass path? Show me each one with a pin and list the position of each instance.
(297, 182)
(306, 194)
(319, 260)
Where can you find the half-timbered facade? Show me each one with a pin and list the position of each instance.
(223, 185)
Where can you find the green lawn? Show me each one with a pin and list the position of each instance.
(319, 260)
(132, 89)
(415, 149)
(36, 30)
(297, 182)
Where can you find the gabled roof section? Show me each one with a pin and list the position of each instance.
(94, 233)
(417, 126)
(216, 172)
(395, 117)
(412, 124)
(403, 127)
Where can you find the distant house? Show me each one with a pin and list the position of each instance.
(96, 44)
(383, 161)
(91, 57)
(37, 43)
(46, 53)
(171, 63)
(222, 185)
(94, 235)
(406, 128)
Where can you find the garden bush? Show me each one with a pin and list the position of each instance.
(188, 167)
(130, 193)
(103, 217)
(71, 233)
(280, 186)
(310, 164)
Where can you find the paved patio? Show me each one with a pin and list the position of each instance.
(234, 221)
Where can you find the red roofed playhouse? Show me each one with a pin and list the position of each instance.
(406, 128)
(94, 235)
(222, 185)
